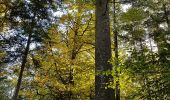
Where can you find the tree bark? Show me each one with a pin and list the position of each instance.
(116, 66)
(24, 60)
(117, 88)
(103, 53)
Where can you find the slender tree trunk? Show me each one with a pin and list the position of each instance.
(24, 60)
(116, 67)
(103, 53)
(117, 91)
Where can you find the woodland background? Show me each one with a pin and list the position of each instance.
(53, 44)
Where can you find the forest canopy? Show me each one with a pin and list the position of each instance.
(84, 49)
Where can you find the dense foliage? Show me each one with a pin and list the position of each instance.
(47, 49)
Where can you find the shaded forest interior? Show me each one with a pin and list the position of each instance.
(84, 49)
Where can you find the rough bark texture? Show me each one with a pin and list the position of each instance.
(22, 68)
(103, 52)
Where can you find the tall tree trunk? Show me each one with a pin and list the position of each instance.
(103, 53)
(24, 60)
(117, 93)
(117, 88)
